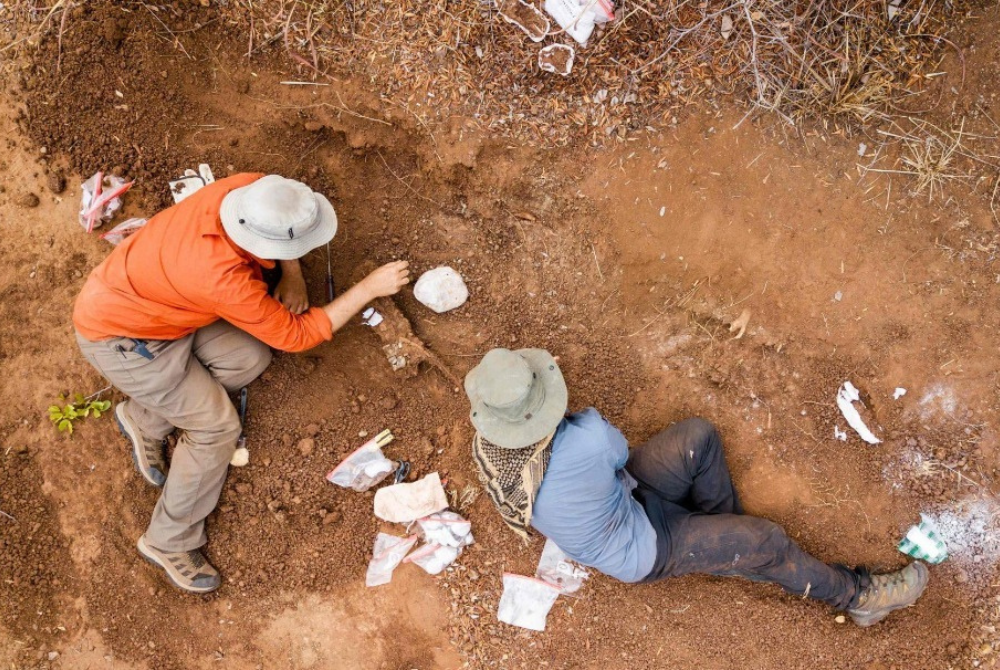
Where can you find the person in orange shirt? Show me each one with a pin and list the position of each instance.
(179, 315)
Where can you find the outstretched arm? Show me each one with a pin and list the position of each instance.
(386, 280)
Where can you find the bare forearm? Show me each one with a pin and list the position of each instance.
(347, 304)
(291, 268)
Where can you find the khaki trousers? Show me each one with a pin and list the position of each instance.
(185, 386)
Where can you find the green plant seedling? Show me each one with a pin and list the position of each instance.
(81, 408)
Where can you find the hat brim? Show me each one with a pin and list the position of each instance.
(278, 250)
(542, 423)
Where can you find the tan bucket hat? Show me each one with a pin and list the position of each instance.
(277, 218)
(518, 397)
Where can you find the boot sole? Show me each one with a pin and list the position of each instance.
(135, 441)
(150, 556)
(864, 621)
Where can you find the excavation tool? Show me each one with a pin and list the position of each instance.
(329, 276)
(242, 456)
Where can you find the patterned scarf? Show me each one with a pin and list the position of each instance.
(512, 478)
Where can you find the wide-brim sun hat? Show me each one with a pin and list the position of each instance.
(275, 218)
(518, 397)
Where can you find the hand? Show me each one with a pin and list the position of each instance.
(291, 292)
(387, 280)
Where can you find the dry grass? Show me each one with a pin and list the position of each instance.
(842, 58)
(852, 60)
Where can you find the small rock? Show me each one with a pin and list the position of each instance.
(313, 126)
(389, 402)
(841, 619)
(53, 655)
(56, 182)
(362, 433)
(986, 649)
(286, 440)
(312, 430)
(306, 446)
(243, 488)
(962, 577)
(332, 517)
(28, 201)
(442, 289)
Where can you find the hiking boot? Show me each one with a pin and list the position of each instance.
(890, 592)
(189, 570)
(149, 455)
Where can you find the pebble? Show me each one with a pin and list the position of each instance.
(53, 655)
(28, 201)
(313, 126)
(56, 182)
(962, 577)
(306, 446)
(841, 619)
(362, 433)
(312, 430)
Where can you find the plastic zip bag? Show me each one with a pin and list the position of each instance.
(118, 234)
(101, 198)
(557, 569)
(389, 552)
(365, 467)
(446, 528)
(433, 557)
(526, 601)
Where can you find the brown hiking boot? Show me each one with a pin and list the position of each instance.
(189, 570)
(148, 454)
(890, 592)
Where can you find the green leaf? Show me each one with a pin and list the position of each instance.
(70, 412)
(79, 398)
(103, 405)
(53, 408)
(97, 413)
(65, 426)
(84, 412)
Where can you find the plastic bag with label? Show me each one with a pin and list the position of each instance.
(118, 234)
(100, 200)
(578, 17)
(446, 528)
(433, 557)
(365, 467)
(557, 569)
(526, 601)
(389, 552)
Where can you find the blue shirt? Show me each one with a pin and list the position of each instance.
(585, 502)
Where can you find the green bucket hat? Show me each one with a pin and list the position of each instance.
(518, 397)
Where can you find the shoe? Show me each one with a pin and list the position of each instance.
(189, 570)
(149, 455)
(889, 592)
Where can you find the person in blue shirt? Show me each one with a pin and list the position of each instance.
(664, 509)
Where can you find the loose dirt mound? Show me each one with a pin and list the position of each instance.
(630, 265)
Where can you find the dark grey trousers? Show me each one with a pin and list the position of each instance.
(687, 492)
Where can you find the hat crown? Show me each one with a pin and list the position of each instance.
(277, 208)
(506, 380)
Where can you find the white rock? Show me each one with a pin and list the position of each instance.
(442, 289)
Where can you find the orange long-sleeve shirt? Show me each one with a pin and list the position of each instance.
(181, 272)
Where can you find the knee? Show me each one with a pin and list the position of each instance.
(252, 359)
(258, 358)
(221, 434)
(772, 538)
(702, 429)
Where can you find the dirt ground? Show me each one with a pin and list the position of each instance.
(630, 263)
